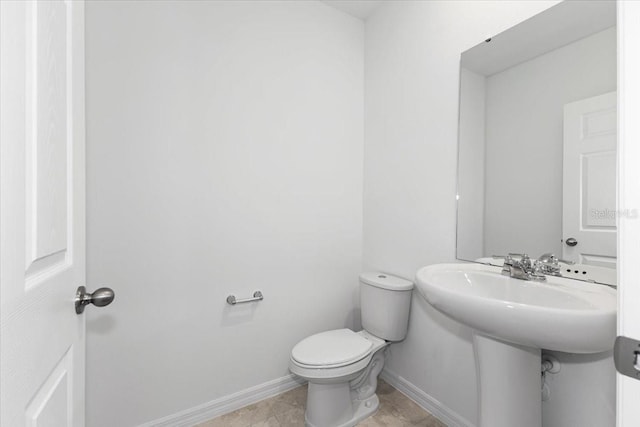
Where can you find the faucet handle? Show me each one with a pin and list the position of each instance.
(550, 258)
(527, 262)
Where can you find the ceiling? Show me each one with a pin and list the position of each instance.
(557, 26)
(360, 9)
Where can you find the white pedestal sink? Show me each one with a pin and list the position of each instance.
(512, 321)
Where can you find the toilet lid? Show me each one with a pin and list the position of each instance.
(331, 349)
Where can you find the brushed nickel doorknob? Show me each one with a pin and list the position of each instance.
(99, 298)
(571, 241)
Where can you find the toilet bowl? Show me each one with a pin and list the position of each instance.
(342, 366)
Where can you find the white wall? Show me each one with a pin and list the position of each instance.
(471, 170)
(524, 134)
(225, 144)
(582, 392)
(412, 53)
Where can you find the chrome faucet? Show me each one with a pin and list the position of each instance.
(550, 264)
(523, 267)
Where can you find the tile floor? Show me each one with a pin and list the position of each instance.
(287, 410)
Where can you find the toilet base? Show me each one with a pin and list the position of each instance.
(346, 402)
(359, 410)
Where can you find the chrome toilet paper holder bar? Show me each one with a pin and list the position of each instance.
(257, 296)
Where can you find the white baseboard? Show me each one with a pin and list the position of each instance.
(433, 406)
(226, 404)
(232, 402)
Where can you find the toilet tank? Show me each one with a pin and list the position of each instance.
(384, 302)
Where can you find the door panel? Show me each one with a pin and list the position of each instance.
(46, 139)
(589, 181)
(42, 213)
(598, 190)
(51, 406)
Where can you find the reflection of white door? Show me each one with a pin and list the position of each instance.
(589, 181)
(42, 257)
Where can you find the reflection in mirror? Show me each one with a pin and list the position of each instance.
(537, 142)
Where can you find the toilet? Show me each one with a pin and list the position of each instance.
(342, 366)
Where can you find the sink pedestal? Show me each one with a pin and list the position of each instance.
(524, 316)
(509, 383)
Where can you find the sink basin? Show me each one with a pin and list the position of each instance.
(559, 314)
(512, 320)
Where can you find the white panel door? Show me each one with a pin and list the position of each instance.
(42, 214)
(589, 181)
(628, 398)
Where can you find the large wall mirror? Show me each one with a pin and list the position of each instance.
(537, 142)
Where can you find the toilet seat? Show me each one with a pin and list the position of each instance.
(331, 349)
(352, 361)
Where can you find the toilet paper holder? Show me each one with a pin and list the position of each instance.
(232, 300)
